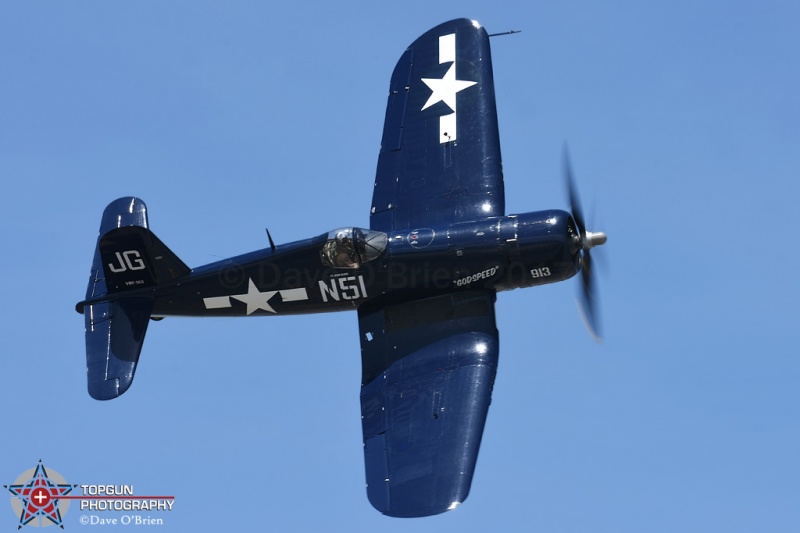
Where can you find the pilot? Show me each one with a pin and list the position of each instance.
(344, 251)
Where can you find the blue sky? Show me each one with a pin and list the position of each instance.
(683, 120)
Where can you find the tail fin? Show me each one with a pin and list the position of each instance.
(128, 256)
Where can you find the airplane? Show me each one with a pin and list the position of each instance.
(422, 278)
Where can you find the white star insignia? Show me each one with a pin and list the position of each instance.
(255, 299)
(445, 89)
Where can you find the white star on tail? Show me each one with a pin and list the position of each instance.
(255, 299)
(445, 89)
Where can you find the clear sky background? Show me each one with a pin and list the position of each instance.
(683, 119)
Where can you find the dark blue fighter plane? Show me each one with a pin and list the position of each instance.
(423, 277)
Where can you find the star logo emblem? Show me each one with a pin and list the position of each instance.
(255, 299)
(445, 89)
(38, 496)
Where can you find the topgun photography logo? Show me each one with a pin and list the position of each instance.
(41, 498)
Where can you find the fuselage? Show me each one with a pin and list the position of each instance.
(345, 268)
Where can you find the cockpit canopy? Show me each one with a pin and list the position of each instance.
(351, 247)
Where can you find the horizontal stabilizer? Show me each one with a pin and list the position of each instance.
(114, 335)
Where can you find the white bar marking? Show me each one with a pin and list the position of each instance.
(447, 128)
(447, 48)
(217, 302)
(294, 295)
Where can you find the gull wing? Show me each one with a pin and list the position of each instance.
(440, 154)
(428, 368)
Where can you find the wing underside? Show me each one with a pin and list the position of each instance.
(428, 371)
(440, 154)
